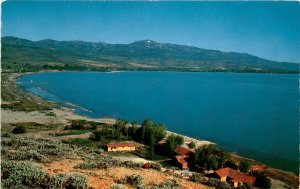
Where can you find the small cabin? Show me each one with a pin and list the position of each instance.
(119, 147)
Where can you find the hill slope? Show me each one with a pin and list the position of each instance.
(140, 55)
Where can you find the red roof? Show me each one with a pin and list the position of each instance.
(181, 159)
(120, 145)
(260, 168)
(182, 150)
(236, 176)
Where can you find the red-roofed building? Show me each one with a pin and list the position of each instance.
(120, 147)
(183, 153)
(235, 177)
(181, 160)
(182, 150)
(260, 168)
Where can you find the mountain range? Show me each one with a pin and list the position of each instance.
(22, 54)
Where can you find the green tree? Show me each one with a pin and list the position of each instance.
(133, 132)
(159, 132)
(244, 166)
(262, 181)
(210, 157)
(152, 146)
(147, 129)
(172, 142)
(98, 135)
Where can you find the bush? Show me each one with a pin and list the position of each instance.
(26, 155)
(69, 180)
(213, 182)
(34, 149)
(156, 166)
(245, 186)
(135, 180)
(198, 178)
(23, 175)
(5, 134)
(167, 184)
(99, 163)
(223, 185)
(117, 186)
(19, 130)
(192, 145)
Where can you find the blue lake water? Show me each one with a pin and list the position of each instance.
(255, 115)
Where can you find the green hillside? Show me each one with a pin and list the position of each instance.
(25, 55)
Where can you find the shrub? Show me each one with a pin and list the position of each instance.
(19, 129)
(69, 180)
(223, 185)
(51, 114)
(213, 182)
(245, 186)
(117, 186)
(26, 155)
(90, 164)
(23, 175)
(156, 166)
(35, 149)
(192, 145)
(198, 178)
(167, 184)
(135, 180)
(101, 162)
(5, 134)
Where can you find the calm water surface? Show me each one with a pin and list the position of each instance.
(255, 115)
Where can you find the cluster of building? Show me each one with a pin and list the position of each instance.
(236, 178)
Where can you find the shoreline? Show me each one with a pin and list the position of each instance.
(124, 71)
(67, 114)
(76, 115)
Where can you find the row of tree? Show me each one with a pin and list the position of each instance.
(148, 133)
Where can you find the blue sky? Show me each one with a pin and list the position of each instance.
(267, 29)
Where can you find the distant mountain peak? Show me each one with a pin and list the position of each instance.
(145, 42)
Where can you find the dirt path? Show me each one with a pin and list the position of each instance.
(67, 137)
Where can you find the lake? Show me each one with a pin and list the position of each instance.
(255, 115)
